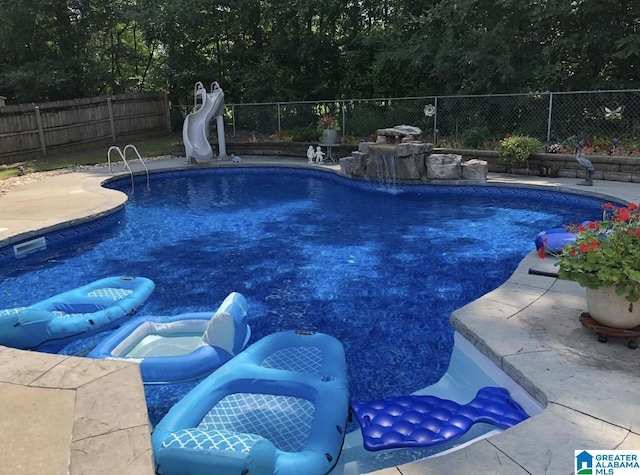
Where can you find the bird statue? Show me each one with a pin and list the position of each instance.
(589, 167)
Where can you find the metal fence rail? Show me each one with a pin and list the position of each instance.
(603, 118)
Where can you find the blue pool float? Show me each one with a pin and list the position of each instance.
(51, 324)
(554, 240)
(279, 407)
(426, 421)
(181, 347)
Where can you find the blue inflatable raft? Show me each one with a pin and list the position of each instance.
(181, 347)
(279, 407)
(426, 421)
(554, 240)
(51, 324)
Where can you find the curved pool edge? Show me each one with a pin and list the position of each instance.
(527, 326)
(55, 203)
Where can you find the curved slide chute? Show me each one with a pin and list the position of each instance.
(196, 125)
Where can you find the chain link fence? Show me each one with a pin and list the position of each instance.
(604, 120)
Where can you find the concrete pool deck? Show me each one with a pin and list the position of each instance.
(63, 415)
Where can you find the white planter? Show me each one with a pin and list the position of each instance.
(612, 310)
(329, 136)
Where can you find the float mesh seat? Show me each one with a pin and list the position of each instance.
(69, 315)
(198, 439)
(284, 420)
(5, 312)
(300, 359)
(113, 293)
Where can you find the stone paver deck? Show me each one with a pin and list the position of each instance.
(67, 415)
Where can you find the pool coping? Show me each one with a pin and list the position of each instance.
(527, 326)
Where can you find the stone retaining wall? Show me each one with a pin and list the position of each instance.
(625, 169)
(608, 168)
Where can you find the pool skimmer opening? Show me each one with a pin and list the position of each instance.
(27, 247)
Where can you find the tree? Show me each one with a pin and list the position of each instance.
(266, 50)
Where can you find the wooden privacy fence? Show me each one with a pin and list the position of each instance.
(34, 130)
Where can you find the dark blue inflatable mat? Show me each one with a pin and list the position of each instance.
(424, 421)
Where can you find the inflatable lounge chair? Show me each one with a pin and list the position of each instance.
(279, 407)
(51, 324)
(182, 347)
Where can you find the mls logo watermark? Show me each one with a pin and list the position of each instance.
(607, 462)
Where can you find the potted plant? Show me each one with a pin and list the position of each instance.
(328, 126)
(606, 260)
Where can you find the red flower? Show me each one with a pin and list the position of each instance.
(584, 247)
(542, 250)
(594, 244)
(595, 225)
(622, 214)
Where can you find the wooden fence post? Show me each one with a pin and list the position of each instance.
(167, 111)
(111, 121)
(43, 146)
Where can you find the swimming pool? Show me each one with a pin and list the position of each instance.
(379, 269)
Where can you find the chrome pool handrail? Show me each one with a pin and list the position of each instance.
(122, 154)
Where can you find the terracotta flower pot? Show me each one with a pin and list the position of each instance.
(612, 310)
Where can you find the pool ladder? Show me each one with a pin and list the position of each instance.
(123, 154)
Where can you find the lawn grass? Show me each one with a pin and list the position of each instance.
(151, 147)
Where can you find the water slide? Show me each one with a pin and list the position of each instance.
(195, 130)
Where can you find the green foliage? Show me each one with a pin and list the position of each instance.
(365, 121)
(307, 133)
(606, 253)
(8, 172)
(448, 142)
(475, 137)
(281, 51)
(514, 151)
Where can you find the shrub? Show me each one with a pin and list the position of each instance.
(515, 150)
(364, 122)
(475, 137)
(307, 133)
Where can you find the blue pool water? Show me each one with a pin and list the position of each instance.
(381, 269)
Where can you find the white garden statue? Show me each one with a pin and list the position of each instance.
(319, 155)
(311, 153)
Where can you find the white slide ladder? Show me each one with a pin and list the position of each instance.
(123, 154)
